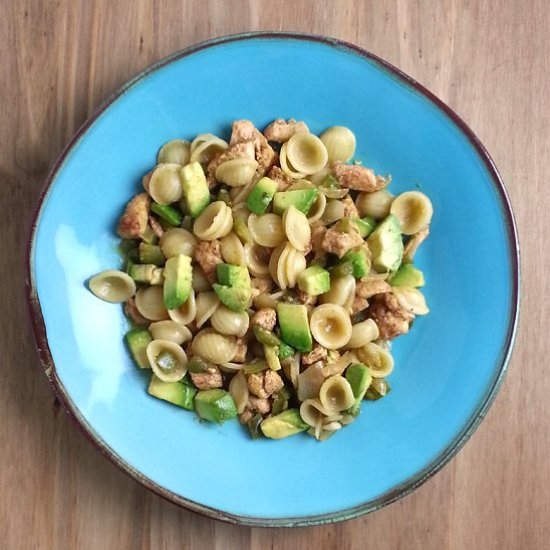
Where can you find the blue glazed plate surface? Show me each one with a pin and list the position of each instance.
(448, 368)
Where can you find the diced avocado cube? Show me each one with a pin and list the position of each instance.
(235, 298)
(359, 262)
(178, 275)
(365, 225)
(151, 254)
(168, 213)
(285, 351)
(302, 199)
(407, 275)
(138, 339)
(215, 405)
(146, 273)
(284, 424)
(196, 195)
(233, 275)
(386, 245)
(359, 377)
(314, 280)
(272, 357)
(294, 324)
(178, 393)
(261, 195)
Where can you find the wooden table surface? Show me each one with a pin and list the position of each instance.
(488, 60)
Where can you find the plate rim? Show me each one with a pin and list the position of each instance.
(412, 482)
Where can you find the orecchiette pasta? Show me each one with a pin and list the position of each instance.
(378, 359)
(200, 283)
(215, 222)
(411, 299)
(306, 153)
(206, 304)
(165, 184)
(313, 412)
(363, 333)
(150, 303)
(214, 347)
(339, 142)
(186, 313)
(375, 204)
(232, 250)
(342, 292)
(238, 388)
(318, 207)
(178, 241)
(171, 331)
(266, 230)
(334, 211)
(336, 394)
(330, 325)
(286, 166)
(236, 172)
(113, 286)
(257, 259)
(414, 211)
(230, 323)
(167, 360)
(177, 151)
(296, 228)
(205, 147)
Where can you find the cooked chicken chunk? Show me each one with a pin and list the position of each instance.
(207, 380)
(244, 130)
(240, 355)
(278, 176)
(350, 210)
(282, 130)
(339, 242)
(358, 177)
(368, 287)
(318, 353)
(133, 222)
(208, 255)
(265, 318)
(263, 384)
(391, 319)
(244, 149)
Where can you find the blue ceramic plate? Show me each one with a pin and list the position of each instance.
(448, 369)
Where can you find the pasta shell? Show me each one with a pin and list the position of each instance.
(171, 331)
(414, 211)
(214, 347)
(313, 412)
(286, 166)
(206, 303)
(330, 325)
(150, 303)
(336, 394)
(186, 313)
(257, 259)
(363, 333)
(236, 172)
(310, 381)
(167, 359)
(232, 250)
(113, 286)
(339, 142)
(411, 299)
(177, 151)
(378, 359)
(229, 322)
(296, 228)
(306, 153)
(215, 222)
(342, 292)
(267, 230)
(375, 204)
(238, 388)
(165, 184)
(295, 263)
(178, 241)
(205, 146)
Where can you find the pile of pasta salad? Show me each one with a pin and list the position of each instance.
(265, 277)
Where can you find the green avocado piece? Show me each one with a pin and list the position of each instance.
(261, 195)
(359, 378)
(365, 225)
(138, 339)
(386, 245)
(178, 275)
(359, 262)
(284, 424)
(168, 213)
(233, 275)
(294, 324)
(302, 199)
(196, 195)
(314, 280)
(178, 393)
(407, 275)
(146, 273)
(215, 405)
(151, 254)
(235, 298)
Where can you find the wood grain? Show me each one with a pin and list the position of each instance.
(489, 60)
